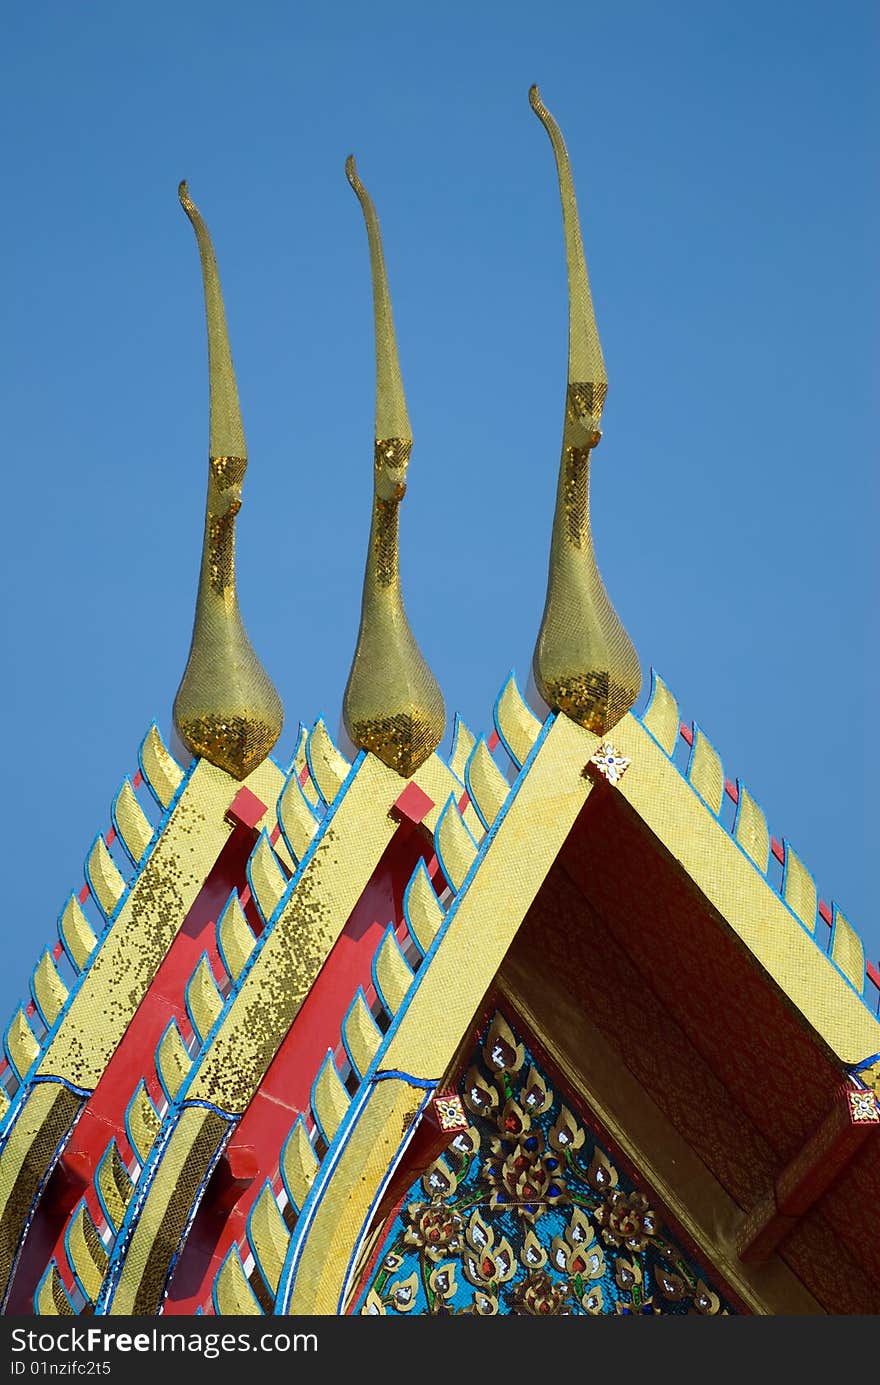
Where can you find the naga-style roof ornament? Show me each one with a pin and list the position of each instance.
(392, 704)
(226, 709)
(584, 661)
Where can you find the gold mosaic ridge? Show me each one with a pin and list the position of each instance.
(664, 801)
(231, 1067)
(449, 990)
(392, 704)
(584, 662)
(227, 709)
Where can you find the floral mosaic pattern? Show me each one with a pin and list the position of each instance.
(526, 1213)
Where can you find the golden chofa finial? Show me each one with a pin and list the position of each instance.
(584, 661)
(392, 704)
(226, 708)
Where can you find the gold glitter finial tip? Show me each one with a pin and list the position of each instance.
(392, 704)
(185, 200)
(226, 709)
(584, 661)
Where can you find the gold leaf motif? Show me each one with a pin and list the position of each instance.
(579, 1232)
(601, 1175)
(627, 1273)
(443, 1281)
(514, 1120)
(536, 1097)
(479, 1096)
(466, 1141)
(477, 1272)
(438, 1180)
(501, 1050)
(373, 1306)
(485, 1305)
(595, 1257)
(505, 1264)
(593, 1301)
(532, 1254)
(480, 1236)
(671, 1285)
(705, 1301)
(567, 1134)
(403, 1294)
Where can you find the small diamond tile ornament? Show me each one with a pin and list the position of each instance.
(608, 762)
(864, 1107)
(450, 1112)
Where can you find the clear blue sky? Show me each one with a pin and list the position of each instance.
(723, 158)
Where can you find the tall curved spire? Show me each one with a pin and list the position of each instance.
(392, 704)
(226, 708)
(584, 661)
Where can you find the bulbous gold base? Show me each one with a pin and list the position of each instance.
(595, 700)
(237, 744)
(402, 741)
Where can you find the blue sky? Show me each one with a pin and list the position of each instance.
(723, 163)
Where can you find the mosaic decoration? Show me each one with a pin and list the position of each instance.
(610, 763)
(526, 1213)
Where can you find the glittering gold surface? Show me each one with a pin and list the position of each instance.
(131, 821)
(142, 1123)
(392, 704)
(269, 1237)
(115, 1184)
(330, 1100)
(705, 771)
(486, 784)
(800, 889)
(21, 1044)
(203, 999)
(87, 1253)
(48, 1113)
(455, 846)
(362, 1034)
(226, 708)
(584, 661)
(235, 1297)
(750, 830)
(162, 770)
(50, 991)
(661, 714)
(848, 951)
(517, 724)
(52, 1300)
(299, 1164)
(393, 973)
(157, 1232)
